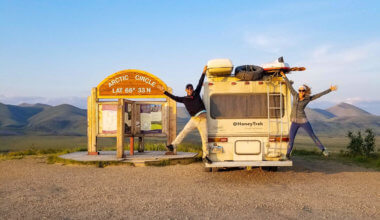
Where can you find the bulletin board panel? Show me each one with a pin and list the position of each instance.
(152, 118)
(107, 118)
(141, 118)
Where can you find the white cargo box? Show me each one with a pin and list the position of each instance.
(219, 67)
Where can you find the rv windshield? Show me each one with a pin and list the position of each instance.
(240, 106)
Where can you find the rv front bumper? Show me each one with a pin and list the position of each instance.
(286, 163)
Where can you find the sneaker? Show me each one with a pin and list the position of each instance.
(169, 153)
(170, 148)
(288, 156)
(207, 160)
(325, 153)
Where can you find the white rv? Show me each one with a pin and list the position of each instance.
(248, 121)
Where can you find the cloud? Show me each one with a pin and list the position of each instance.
(272, 43)
(348, 59)
(354, 68)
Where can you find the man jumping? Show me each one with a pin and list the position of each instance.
(194, 105)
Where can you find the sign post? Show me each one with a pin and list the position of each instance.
(120, 129)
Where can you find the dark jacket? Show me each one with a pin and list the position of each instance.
(298, 107)
(193, 103)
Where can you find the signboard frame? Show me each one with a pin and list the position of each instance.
(156, 85)
(125, 81)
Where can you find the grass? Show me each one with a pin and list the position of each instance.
(52, 156)
(18, 147)
(57, 143)
(373, 161)
(50, 147)
(37, 152)
(22, 143)
(333, 144)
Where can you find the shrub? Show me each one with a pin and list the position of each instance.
(359, 146)
(356, 142)
(369, 143)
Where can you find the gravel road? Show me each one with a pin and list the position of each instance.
(311, 189)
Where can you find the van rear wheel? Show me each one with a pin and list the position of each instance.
(207, 169)
(270, 169)
(211, 169)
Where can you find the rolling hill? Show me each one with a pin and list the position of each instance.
(66, 119)
(347, 110)
(59, 120)
(42, 119)
(341, 118)
(335, 121)
(13, 119)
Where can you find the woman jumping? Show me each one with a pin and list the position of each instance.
(298, 116)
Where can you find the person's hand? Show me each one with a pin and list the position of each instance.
(161, 88)
(204, 70)
(334, 88)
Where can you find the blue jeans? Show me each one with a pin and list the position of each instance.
(293, 131)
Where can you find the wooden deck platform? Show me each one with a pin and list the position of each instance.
(138, 159)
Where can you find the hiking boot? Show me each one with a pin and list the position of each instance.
(169, 153)
(170, 148)
(325, 153)
(207, 160)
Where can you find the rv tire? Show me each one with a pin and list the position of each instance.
(211, 169)
(270, 169)
(215, 169)
(207, 169)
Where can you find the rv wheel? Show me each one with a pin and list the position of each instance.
(270, 169)
(211, 169)
(207, 169)
(215, 169)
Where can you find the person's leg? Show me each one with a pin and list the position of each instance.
(311, 133)
(292, 135)
(202, 128)
(191, 125)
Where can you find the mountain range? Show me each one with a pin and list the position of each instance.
(42, 119)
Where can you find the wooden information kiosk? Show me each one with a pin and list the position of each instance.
(111, 113)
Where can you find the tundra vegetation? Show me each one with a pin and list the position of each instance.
(50, 147)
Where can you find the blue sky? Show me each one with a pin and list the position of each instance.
(55, 51)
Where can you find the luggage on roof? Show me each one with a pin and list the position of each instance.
(219, 67)
(278, 64)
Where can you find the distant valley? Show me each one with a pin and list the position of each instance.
(67, 120)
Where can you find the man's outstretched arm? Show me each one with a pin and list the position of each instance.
(200, 83)
(175, 98)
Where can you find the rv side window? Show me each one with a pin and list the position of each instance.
(240, 106)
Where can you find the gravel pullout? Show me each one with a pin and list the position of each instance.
(317, 189)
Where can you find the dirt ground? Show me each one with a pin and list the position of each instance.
(311, 189)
